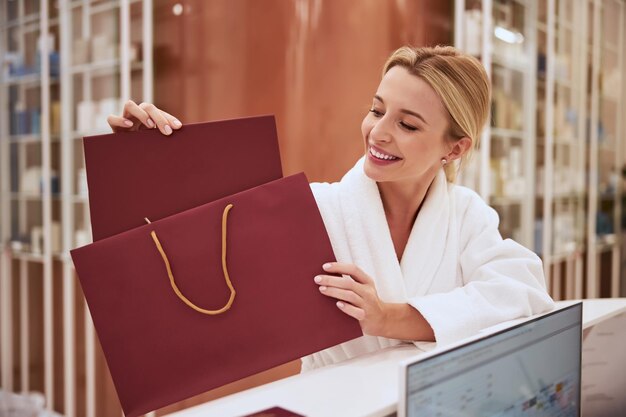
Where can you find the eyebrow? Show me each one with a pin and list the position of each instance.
(412, 113)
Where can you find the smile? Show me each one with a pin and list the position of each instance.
(381, 156)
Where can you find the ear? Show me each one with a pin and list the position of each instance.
(459, 148)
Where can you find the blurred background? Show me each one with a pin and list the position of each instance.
(551, 160)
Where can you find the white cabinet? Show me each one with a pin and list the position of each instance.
(100, 54)
(550, 162)
(502, 34)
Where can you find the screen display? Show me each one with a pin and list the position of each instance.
(532, 369)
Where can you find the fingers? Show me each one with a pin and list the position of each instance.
(131, 109)
(148, 115)
(345, 283)
(157, 117)
(174, 122)
(342, 295)
(117, 122)
(348, 269)
(349, 309)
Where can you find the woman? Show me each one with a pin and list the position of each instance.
(419, 258)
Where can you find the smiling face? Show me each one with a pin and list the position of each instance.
(404, 131)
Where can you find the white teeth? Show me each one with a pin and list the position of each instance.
(381, 155)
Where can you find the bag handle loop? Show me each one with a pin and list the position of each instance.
(224, 269)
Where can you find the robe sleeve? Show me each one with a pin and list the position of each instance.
(502, 280)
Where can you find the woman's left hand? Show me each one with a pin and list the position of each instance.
(357, 296)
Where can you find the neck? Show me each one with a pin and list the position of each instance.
(402, 200)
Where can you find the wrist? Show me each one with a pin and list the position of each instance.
(402, 321)
(387, 320)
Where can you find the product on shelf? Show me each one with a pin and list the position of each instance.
(81, 182)
(506, 112)
(80, 51)
(81, 238)
(92, 116)
(31, 181)
(611, 84)
(54, 60)
(37, 236)
(473, 31)
(11, 61)
(103, 48)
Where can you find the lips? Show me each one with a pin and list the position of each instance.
(382, 155)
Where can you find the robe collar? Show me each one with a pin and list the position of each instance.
(370, 238)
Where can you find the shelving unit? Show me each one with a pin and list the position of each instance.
(570, 132)
(43, 193)
(562, 145)
(606, 149)
(502, 35)
(28, 84)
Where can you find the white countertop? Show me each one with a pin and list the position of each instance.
(363, 386)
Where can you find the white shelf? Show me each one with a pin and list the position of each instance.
(16, 23)
(77, 198)
(34, 27)
(31, 138)
(507, 133)
(27, 80)
(560, 81)
(515, 64)
(36, 257)
(605, 243)
(28, 256)
(565, 196)
(32, 197)
(101, 68)
(103, 6)
(564, 256)
(506, 200)
(559, 141)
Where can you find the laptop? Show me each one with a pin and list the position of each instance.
(531, 369)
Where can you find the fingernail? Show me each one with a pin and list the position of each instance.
(128, 123)
(340, 304)
(317, 279)
(177, 123)
(322, 288)
(326, 266)
(168, 130)
(150, 123)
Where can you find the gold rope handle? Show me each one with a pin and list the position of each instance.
(224, 269)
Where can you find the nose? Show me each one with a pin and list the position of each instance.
(381, 131)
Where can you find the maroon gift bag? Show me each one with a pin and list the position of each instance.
(154, 292)
(132, 175)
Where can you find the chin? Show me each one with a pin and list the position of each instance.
(372, 173)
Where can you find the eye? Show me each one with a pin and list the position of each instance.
(376, 113)
(408, 127)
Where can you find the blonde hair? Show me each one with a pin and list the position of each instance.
(461, 83)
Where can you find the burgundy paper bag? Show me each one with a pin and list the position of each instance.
(132, 175)
(159, 349)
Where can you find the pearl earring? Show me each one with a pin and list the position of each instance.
(444, 161)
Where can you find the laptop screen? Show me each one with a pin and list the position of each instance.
(532, 369)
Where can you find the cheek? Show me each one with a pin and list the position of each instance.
(366, 127)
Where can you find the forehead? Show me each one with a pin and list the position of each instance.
(399, 88)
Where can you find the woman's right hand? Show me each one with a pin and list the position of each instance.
(143, 116)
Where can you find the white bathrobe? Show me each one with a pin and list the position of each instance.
(456, 269)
